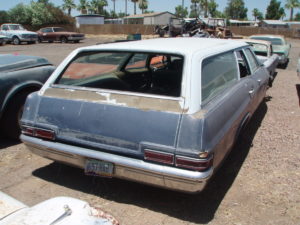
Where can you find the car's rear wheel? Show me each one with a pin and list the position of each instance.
(63, 39)
(10, 126)
(16, 41)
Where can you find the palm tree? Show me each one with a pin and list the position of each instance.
(194, 9)
(255, 13)
(83, 6)
(291, 4)
(68, 5)
(204, 5)
(134, 2)
(143, 4)
(96, 6)
(114, 1)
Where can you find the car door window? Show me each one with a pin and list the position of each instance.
(137, 61)
(253, 64)
(218, 73)
(244, 69)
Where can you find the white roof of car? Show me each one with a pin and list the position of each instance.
(206, 46)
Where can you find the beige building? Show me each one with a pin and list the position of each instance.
(159, 18)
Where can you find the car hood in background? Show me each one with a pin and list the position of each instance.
(17, 62)
(21, 32)
(68, 33)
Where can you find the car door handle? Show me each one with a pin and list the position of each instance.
(251, 91)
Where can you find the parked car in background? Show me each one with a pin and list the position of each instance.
(51, 34)
(17, 34)
(20, 75)
(280, 46)
(3, 40)
(264, 52)
(163, 112)
(64, 210)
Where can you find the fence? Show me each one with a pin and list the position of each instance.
(149, 29)
(117, 29)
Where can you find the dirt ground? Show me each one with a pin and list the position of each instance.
(259, 182)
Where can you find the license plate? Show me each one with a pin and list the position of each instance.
(98, 168)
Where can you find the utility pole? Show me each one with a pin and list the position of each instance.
(182, 9)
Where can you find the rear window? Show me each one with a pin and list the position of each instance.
(150, 73)
(218, 73)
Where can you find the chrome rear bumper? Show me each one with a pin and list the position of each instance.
(124, 167)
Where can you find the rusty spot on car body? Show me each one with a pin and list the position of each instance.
(134, 101)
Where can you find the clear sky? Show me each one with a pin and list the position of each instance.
(156, 5)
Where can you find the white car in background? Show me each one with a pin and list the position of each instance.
(264, 52)
(59, 210)
(280, 46)
(17, 34)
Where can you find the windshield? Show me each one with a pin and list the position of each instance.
(259, 49)
(16, 27)
(59, 29)
(274, 41)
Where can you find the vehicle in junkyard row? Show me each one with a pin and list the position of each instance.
(64, 210)
(163, 112)
(3, 40)
(264, 52)
(20, 75)
(279, 44)
(60, 34)
(17, 34)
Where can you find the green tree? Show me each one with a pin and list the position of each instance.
(68, 5)
(20, 14)
(38, 14)
(274, 11)
(114, 14)
(4, 17)
(212, 8)
(143, 5)
(181, 12)
(83, 6)
(297, 17)
(257, 14)
(236, 9)
(291, 4)
(134, 2)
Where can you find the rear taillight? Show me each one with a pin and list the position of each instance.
(38, 132)
(161, 157)
(192, 163)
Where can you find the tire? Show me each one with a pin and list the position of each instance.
(10, 126)
(63, 39)
(77, 41)
(39, 40)
(16, 41)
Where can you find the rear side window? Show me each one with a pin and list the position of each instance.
(218, 72)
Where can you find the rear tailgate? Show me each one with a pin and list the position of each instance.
(120, 123)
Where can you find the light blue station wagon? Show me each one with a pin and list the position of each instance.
(164, 112)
